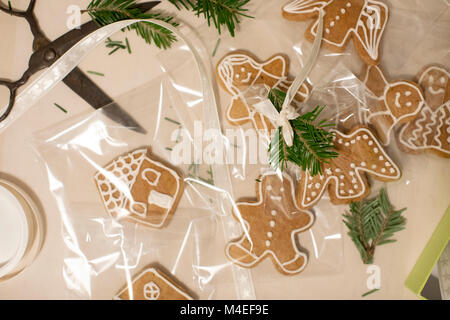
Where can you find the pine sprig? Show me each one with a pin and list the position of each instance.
(105, 12)
(372, 223)
(312, 143)
(217, 12)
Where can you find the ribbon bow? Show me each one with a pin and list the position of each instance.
(287, 113)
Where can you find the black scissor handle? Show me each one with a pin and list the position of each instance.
(12, 87)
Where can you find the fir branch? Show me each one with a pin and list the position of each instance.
(312, 144)
(218, 12)
(105, 12)
(372, 223)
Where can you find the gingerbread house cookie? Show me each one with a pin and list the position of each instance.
(138, 188)
(153, 284)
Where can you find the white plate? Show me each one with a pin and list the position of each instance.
(14, 231)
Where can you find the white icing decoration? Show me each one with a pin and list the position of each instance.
(298, 254)
(151, 291)
(342, 194)
(122, 185)
(371, 11)
(225, 71)
(160, 279)
(421, 132)
(160, 199)
(156, 173)
(388, 111)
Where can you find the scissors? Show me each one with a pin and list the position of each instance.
(46, 52)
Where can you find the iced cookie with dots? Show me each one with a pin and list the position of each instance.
(430, 130)
(364, 21)
(398, 102)
(153, 284)
(272, 223)
(239, 71)
(344, 177)
(136, 187)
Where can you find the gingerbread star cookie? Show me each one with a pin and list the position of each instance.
(153, 284)
(344, 177)
(362, 20)
(136, 187)
(398, 102)
(430, 130)
(272, 223)
(238, 72)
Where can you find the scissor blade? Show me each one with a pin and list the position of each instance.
(97, 98)
(69, 39)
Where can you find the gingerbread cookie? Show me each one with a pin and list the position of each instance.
(272, 223)
(239, 71)
(344, 176)
(430, 130)
(153, 284)
(138, 188)
(398, 102)
(362, 20)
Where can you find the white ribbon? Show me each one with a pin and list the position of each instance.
(281, 119)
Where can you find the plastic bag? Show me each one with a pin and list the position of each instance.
(104, 254)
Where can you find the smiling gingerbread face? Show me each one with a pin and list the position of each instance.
(404, 99)
(434, 81)
(243, 75)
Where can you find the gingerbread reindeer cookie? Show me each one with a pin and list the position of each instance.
(238, 72)
(398, 102)
(362, 20)
(430, 130)
(138, 188)
(344, 177)
(272, 223)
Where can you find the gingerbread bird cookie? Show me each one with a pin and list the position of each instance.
(398, 102)
(430, 130)
(362, 20)
(272, 223)
(239, 72)
(344, 177)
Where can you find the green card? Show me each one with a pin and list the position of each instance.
(422, 280)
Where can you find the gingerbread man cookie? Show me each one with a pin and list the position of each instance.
(430, 130)
(362, 20)
(138, 188)
(344, 176)
(239, 71)
(398, 102)
(272, 223)
(153, 284)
